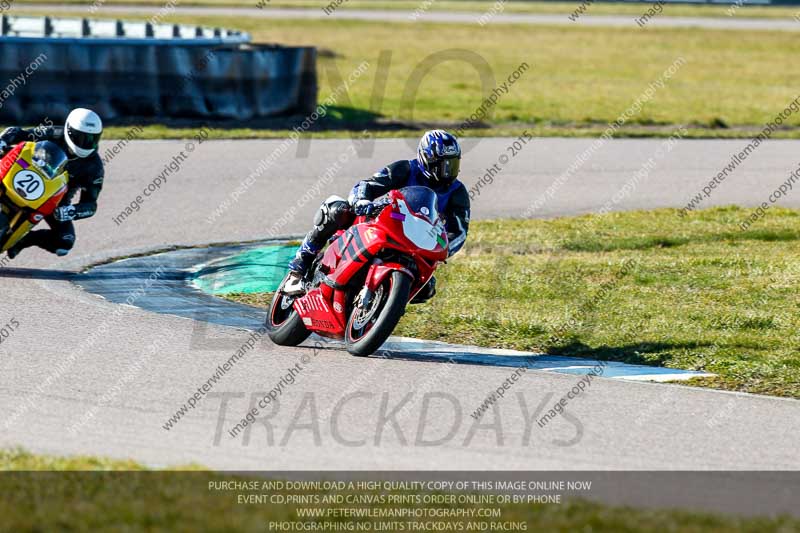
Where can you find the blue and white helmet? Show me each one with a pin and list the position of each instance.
(439, 155)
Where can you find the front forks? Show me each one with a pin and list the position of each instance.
(363, 298)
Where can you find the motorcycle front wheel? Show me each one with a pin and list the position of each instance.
(4, 222)
(284, 325)
(369, 327)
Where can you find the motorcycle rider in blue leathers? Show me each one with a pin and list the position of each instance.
(436, 166)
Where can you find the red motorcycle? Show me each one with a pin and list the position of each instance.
(359, 287)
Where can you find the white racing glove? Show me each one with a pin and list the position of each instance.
(64, 214)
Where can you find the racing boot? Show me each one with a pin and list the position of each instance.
(13, 252)
(16, 249)
(298, 267)
(425, 293)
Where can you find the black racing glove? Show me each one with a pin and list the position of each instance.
(7, 138)
(366, 208)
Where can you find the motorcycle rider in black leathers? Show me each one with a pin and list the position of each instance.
(78, 138)
(436, 166)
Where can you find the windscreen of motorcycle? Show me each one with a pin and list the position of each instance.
(418, 230)
(422, 201)
(49, 158)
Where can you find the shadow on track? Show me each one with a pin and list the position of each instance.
(635, 353)
(67, 275)
(38, 273)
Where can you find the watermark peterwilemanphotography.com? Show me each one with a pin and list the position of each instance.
(652, 11)
(582, 384)
(219, 373)
(171, 168)
(512, 150)
(332, 6)
(501, 390)
(781, 191)
(498, 7)
(424, 6)
(580, 10)
(22, 78)
(739, 158)
(115, 149)
(8, 329)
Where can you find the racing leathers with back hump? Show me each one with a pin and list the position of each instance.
(85, 176)
(336, 213)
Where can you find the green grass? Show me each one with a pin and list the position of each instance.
(577, 76)
(18, 459)
(165, 132)
(703, 296)
(97, 499)
(579, 79)
(479, 6)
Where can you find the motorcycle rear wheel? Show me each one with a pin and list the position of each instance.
(4, 222)
(284, 325)
(368, 329)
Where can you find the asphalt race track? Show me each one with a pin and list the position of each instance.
(81, 375)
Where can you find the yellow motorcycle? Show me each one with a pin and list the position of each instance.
(34, 182)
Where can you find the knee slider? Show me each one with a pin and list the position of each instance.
(340, 213)
(320, 216)
(334, 210)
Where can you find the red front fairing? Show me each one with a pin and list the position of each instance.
(317, 311)
(9, 159)
(367, 244)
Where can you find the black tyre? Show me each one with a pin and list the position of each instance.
(284, 325)
(368, 328)
(3, 229)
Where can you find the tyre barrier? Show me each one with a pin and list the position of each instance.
(137, 69)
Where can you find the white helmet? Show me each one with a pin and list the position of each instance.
(82, 131)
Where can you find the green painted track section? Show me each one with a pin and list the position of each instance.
(256, 270)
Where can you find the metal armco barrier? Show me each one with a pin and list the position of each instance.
(130, 70)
